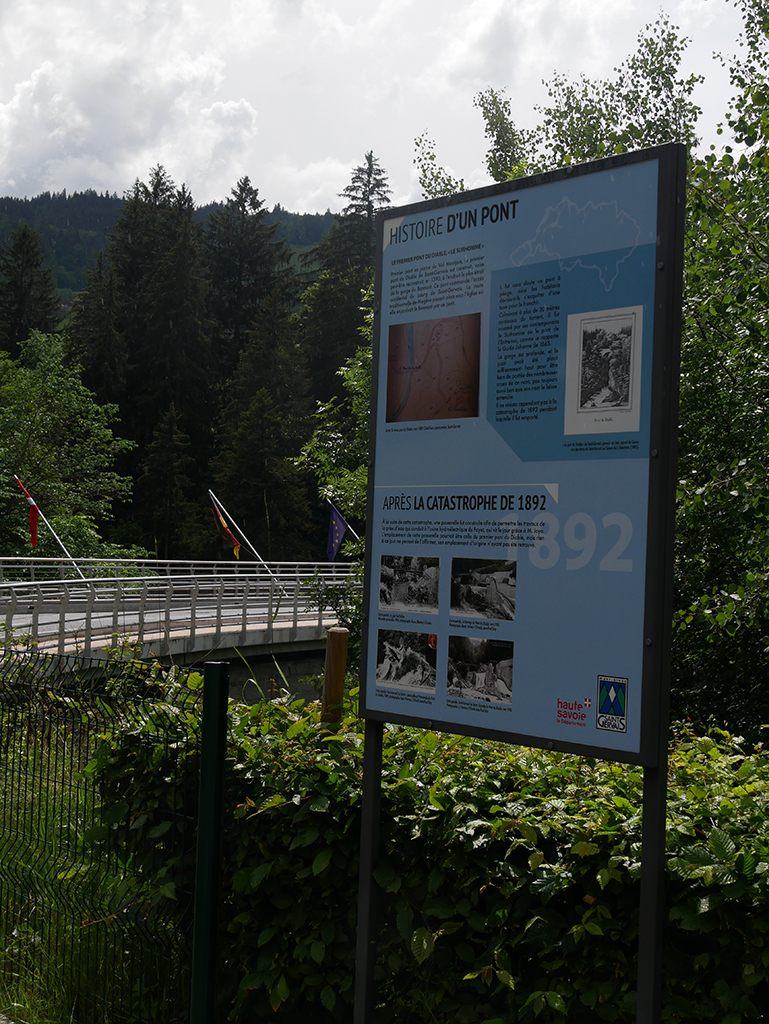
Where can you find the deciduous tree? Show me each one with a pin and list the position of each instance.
(61, 444)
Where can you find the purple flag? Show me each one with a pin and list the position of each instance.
(336, 531)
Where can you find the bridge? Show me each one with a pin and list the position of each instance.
(183, 612)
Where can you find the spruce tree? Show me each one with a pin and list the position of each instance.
(167, 514)
(94, 338)
(332, 314)
(245, 263)
(264, 422)
(349, 245)
(28, 299)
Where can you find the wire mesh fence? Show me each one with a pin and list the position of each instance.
(83, 894)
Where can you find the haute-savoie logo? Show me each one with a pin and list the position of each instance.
(573, 712)
(611, 712)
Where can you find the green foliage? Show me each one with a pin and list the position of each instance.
(350, 244)
(332, 313)
(506, 156)
(246, 264)
(647, 102)
(508, 878)
(93, 337)
(721, 626)
(62, 446)
(192, 310)
(164, 486)
(434, 180)
(264, 420)
(72, 228)
(337, 453)
(28, 300)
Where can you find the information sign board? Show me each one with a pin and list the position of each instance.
(519, 533)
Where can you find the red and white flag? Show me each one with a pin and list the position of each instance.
(33, 513)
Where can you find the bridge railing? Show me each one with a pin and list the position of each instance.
(157, 608)
(17, 570)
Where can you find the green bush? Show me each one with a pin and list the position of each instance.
(509, 877)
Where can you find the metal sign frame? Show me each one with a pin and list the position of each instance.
(651, 750)
(652, 578)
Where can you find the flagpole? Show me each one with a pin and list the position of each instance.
(355, 535)
(32, 501)
(245, 538)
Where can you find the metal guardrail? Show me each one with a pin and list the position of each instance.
(154, 601)
(18, 569)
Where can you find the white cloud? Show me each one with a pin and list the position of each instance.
(294, 92)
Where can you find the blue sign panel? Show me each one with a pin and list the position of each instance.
(516, 435)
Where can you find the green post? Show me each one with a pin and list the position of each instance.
(208, 868)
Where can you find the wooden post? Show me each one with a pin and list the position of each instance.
(333, 677)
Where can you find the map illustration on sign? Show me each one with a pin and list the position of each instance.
(433, 369)
(576, 235)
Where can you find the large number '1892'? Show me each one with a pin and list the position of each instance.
(580, 535)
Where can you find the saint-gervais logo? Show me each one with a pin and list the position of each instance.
(573, 712)
(611, 713)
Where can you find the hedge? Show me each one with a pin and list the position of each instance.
(509, 877)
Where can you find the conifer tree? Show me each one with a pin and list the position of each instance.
(332, 313)
(245, 263)
(265, 420)
(349, 246)
(28, 300)
(167, 513)
(94, 339)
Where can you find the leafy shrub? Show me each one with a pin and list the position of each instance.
(509, 877)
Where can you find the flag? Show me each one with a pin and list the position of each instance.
(33, 514)
(336, 531)
(227, 535)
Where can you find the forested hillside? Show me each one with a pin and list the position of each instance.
(73, 228)
(198, 347)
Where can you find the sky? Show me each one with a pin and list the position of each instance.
(294, 93)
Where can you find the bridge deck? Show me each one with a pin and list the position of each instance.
(176, 609)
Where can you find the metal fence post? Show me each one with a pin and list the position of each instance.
(208, 868)
(365, 948)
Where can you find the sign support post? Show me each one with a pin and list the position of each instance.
(651, 920)
(365, 950)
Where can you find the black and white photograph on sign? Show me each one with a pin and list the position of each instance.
(409, 583)
(603, 371)
(434, 369)
(483, 589)
(480, 669)
(406, 661)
